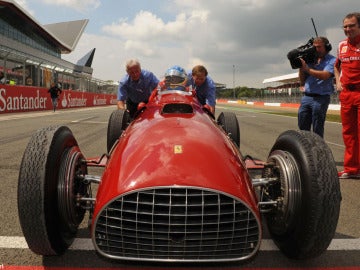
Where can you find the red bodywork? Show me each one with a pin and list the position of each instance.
(163, 147)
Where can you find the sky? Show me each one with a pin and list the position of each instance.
(240, 42)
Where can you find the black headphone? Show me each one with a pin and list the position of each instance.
(327, 44)
(328, 47)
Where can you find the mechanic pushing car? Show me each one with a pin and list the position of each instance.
(204, 87)
(135, 87)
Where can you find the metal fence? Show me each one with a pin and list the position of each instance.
(286, 98)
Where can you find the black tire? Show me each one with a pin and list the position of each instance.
(230, 124)
(304, 225)
(118, 121)
(45, 231)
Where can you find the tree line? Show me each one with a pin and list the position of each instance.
(240, 92)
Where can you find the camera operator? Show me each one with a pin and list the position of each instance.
(316, 80)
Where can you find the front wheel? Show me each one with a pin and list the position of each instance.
(47, 189)
(308, 194)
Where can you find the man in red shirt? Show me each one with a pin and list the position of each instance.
(347, 74)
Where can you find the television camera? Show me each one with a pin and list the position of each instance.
(306, 52)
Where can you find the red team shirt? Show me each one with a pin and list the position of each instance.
(349, 58)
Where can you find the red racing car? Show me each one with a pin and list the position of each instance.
(175, 187)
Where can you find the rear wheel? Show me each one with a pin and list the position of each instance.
(230, 124)
(308, 194)
(47, 190)
(118, 121)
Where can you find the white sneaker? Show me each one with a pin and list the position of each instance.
(348, 175)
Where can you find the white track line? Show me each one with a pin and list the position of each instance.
(18, 242)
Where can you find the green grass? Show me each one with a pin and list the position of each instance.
(329, 117)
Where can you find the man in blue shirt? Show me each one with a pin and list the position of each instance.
(135, 87)
(318, 82)
(204, 87)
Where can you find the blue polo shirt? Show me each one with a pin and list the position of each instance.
(138, 91)
(318, 86)
(205, 92)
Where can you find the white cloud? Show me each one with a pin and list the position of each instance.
(252, 35)
(138, 46)
(149, 27)
(148, 36)
(79, 5)
(144, 25)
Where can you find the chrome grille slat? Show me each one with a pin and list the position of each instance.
(177, 223)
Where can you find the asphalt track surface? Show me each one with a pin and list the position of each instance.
(259, 131)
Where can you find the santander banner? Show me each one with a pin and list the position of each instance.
(25, 98)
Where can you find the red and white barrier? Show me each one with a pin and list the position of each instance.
(25, 99)
(332, 107)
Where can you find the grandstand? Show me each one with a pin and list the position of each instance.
(286, 89)
(284, 79)
(30, 53)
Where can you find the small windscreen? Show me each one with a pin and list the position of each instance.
(177, 108)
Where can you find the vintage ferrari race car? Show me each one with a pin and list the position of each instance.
(175, 187)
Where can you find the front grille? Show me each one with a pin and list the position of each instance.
(177, 223)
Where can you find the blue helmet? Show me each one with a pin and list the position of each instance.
(176, 78)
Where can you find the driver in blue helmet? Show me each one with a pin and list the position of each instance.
(176, 79)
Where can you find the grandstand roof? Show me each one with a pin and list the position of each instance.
(288, 78)
(65, 34)
(68, 33)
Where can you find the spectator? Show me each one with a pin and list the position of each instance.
(29, 81)
(2, 78)
(317, 81)
(135, 87)
(204, 86)
(347, 74)
(55, 92)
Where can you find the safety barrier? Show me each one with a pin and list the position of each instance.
(25, 98)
